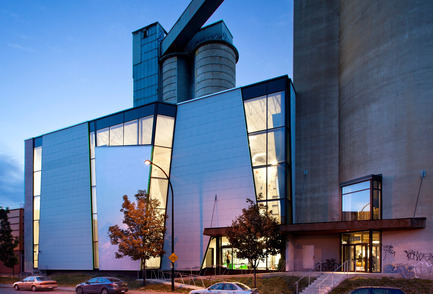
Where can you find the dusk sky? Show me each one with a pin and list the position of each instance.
(65, 62)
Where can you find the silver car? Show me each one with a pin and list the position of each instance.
(35, 283)
(227, 287)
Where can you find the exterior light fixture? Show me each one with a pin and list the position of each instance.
(172, 257)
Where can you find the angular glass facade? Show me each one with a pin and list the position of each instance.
(150, 125)
(37, 168)
(269, 135)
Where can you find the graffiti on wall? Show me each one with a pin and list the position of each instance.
(388, 250)
(419, 256)
(420, 264)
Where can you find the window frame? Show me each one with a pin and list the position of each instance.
(371, 179)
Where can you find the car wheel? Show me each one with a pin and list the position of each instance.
(16, 287)
(79, 291)
(104, 291)
(33, 288)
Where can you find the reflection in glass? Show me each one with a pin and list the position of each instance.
(35, 255)
(102, 137)
(162, 157)
(94, 202)
(131, 133)
(274, 208)
(258, 149)
(36, 232)
(265, 117)
(116, 135)
(255, 112)
(158, 190)
(356, 201)
(93, 171)
(36, 207)
(37, 183)
(356, 206)
(275, 110)
(164, 131)
(96, 254)
(276, 145)
(92, 145)
(37, 160)
(146, 130)
(356, 187)
(275, 181)
(95, 227)
(260, 182)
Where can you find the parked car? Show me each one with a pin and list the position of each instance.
(227, 287)
(102, 285)
(35, 283)
(377, 290)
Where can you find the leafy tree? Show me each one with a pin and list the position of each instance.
(142, 237)
(254, 235)
(7, 241)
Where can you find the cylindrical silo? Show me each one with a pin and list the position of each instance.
(214, 68)
(176, 78)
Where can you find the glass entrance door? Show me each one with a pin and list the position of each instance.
(357, 257)
(362, 251)
(362, 256)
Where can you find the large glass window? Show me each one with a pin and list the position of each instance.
(37, 171)
(136, 131)
(361, 200)
(221, 253)
(265, 117)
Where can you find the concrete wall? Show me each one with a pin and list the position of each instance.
(386, 121)
(65, 223)
(210, 158)
(315, 74)
(363, 72)
(310, 250)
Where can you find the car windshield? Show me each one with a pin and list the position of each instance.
(218, 286)
(114, 280)
(42, 279)
(243, 286)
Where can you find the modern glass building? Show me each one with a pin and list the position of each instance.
(342, 164)
(218, 150)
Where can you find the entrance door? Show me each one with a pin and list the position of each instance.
(362, 257)
(358, 256)
(349, 254)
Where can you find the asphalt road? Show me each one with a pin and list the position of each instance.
(8, 289)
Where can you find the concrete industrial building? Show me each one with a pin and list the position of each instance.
(343, 164)
(363, 72)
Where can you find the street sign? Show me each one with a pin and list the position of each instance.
(173, 257)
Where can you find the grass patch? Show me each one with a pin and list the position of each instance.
(8, 280)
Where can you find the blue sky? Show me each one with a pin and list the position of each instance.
(63, 62)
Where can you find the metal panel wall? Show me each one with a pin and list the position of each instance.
(28, 206)
(65, 223)
(210, 157)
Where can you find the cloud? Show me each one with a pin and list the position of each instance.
(19, 47)
(11, 183)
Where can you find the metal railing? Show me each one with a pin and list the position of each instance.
(345, 269)
(319, 264)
